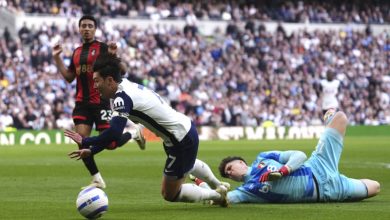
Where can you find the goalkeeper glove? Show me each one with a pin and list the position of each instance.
(275, 175)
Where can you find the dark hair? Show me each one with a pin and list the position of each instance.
(330, 75)
(108, 65)
(88, 17)
(225, 161)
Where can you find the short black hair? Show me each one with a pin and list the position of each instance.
(108, 65)
(330, 75)
(225, 161)
(88, 17)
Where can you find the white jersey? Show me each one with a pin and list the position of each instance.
(140, 104)
(329, 92)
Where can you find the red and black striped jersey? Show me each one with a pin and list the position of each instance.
(82, 62)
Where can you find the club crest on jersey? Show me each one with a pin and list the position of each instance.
(93, 52)
(119, 104)
(261, 165)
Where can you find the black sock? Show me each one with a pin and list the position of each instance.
(124, 139)
(91, 165)
(89, 162)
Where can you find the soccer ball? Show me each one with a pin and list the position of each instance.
(92, 202)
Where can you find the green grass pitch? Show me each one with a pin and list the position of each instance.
(40, 182)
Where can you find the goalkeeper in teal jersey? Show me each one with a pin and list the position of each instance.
(287, 177)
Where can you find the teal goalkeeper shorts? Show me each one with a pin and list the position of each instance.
(333, 186)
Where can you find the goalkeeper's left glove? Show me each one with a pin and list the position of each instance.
(275, 175)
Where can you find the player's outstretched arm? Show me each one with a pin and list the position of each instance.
(80, 154)
(98, 143)
(293, 159)
(114, 133)
(68, 75)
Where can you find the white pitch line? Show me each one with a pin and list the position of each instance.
(373, 164)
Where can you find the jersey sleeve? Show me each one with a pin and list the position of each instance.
(72, 67)
(240, 196)
(113, 133)
(323, 82)
(273, 155)
(122, 105)
(337, 83)
(292, 158)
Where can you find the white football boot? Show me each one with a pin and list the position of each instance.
(139, 136)
(98, 183)
(223, 202)
(226, 185)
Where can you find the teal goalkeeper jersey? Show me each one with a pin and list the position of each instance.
(298, 186)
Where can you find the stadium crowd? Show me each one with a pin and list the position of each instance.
(239, 77)
(332, 11)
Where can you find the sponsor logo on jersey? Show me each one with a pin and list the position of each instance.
(119, 104)
(261, 165)
(93, 52)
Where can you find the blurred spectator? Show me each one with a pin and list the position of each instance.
(331, 11)
(5, 120)
(246, 77)
(24, 34)
(329, 90)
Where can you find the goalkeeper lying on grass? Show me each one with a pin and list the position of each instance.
(286, 176)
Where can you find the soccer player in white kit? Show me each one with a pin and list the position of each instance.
(180, 137)
(330, 88)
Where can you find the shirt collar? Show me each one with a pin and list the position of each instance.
(247, 176)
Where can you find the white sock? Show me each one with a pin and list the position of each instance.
(133, 131)
(203, 172)
(193, 193)
(97, 177)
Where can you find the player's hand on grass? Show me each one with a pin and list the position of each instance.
(76, 137)
(57, 50)
(80, 154)
(275, 175)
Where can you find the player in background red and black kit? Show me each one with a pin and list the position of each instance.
(90, 108)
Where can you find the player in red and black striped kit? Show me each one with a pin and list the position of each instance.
(90, 108)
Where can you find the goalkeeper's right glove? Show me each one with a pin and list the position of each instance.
(275, 175)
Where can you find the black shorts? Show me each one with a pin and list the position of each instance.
(181, 157)
(98, 114)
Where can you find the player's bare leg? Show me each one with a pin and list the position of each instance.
(338, 121)
(373, 187)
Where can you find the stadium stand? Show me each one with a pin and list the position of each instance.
(332, 11)
(239, 76)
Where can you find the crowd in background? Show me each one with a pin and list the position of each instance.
(331, 11)
(239, 77)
